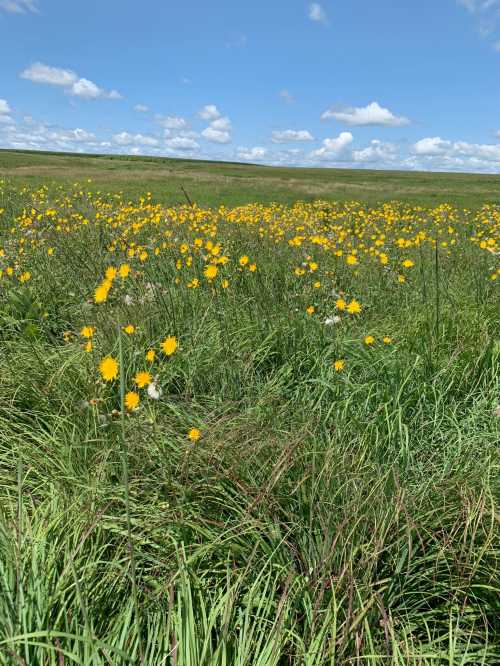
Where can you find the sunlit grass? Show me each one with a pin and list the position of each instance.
(260, 435)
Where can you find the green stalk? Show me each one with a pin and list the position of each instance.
(126, 486)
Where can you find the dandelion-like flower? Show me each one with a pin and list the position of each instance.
(169, 345)
(132, 400)
(194, 434)
(210, 272)
(354, 307)
(142, 378)
(108, 368)
(87, 331)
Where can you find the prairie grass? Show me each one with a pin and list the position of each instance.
(323, 517)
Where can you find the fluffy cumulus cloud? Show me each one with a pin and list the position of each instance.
(128, 139)
(209, 112)
(18, 6)
(254, 154)
(182, 144)
(376, 152)
(284, 136)
(435, 152)
(372, 114)
(73, 84)
(215, 135)
(317, 13)
(173, 122)
(335, 148)
(5, 110)
(141, 108)
(219, 129)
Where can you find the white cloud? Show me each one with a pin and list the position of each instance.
(39, 136)
(215, 135)
(209, 112)
(285, 136)
(317, 13)
(430, 146)
(67, 79)
(497, 134)
(333, 148)
(251, 154)
(127, 139)
(286, 96)
(81, 135)
(173, 122)
(53, 76)
(182, 143)
(4, 107)
(372, 114)
(86, 89)
(4, 112)
(141, 108)
(18, 6)
(219, 129)
(377, 151)
(223, 124)
(462, 155)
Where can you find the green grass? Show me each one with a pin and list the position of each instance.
(232, 184)
(323, 517)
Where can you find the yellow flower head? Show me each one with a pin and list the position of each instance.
(339, 365)
(169, 345)
(408, 263)
(244, 260)
(341, 304)
(369, 340)
(131, 400)
(124, 271)
(87, 331)
(194, 434)
(387, 340)
(129, 329)
(101, 293)
(310, 310)
(108, 368)
(150, 355)
(354, 307)
(210, 272)
(110, 273)
(224, 284)
(142, 379)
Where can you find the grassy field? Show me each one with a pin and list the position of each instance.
(215, 183)
(247, 435)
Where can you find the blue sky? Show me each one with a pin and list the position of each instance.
(408, 84)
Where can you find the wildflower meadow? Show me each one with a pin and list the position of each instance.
(251, 435)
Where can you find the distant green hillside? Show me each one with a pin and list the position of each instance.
(213, 183)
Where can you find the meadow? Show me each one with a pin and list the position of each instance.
(246, 429)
